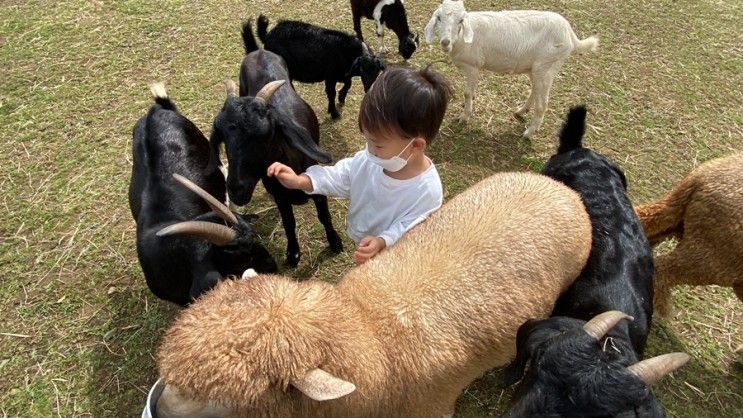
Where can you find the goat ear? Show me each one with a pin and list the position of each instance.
(468, 33)
(354, 70)
(301, 139)
(214, 141)
(430, 26)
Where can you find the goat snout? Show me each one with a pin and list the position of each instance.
(446, 45)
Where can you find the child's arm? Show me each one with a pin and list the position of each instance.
(333, 180)
(288, 178)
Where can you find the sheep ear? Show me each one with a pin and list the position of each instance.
(429, 28)
(320, 385)
(300, 139)
(468, 33)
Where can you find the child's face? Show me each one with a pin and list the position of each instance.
(386, 146)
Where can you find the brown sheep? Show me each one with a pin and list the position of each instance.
(705, 213)
(404, 333)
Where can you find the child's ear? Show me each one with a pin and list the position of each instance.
(419, 143)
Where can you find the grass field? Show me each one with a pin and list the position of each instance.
(78, 326)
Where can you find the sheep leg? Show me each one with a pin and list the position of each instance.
(344, 91)
(472, 74)
(290, 225)
(330, 92)
(519, 114)
(323, 214)
(541, 84)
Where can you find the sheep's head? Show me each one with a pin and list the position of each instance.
(451, 22)
(251, 130)
(265, 346)
(571, 360)
(235, 246)
(368, 67)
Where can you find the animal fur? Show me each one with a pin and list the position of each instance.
(705, 213)
(410, 328)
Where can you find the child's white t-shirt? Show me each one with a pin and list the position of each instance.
(380, 205)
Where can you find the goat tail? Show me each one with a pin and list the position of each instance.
(664, 218)
(248, 38)
(160, 95)
(571, 135)
(582, 45)
(262, 28)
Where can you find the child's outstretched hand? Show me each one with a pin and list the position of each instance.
(288, 178)
(369, 246)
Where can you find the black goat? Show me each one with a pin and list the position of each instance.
(619, 272)
(583, 369)
(200, 251)
(314, 54)
(256, 134)
(386, 14)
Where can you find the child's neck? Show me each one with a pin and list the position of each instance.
(417, 164)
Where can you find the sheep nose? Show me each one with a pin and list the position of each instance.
(444, 42)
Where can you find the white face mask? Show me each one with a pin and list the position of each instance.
(393, 164)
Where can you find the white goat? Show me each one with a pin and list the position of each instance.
(519, 41)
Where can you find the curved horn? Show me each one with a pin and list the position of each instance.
(218, 207)
(231, 88)
(364, 49)
(214, 233)
(268, 90)
(653, 369)
(322, 386)
(600, 324)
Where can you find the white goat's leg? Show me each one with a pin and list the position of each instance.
(380, 38)
(541, 84)
(472, 74)
(519, 114)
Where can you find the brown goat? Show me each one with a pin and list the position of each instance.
(404, 333)
(705, 213)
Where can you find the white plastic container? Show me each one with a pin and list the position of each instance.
(152, 397)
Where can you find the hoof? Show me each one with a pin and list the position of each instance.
(463, 118)
(336, 244)
(518, 116)
(292, 259)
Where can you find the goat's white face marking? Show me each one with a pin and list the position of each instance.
(449, 20)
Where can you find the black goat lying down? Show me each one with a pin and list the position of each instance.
(583, 369)
(386, 14)
(182, 245)
(314, 54)
(257, 133)
(619, 272)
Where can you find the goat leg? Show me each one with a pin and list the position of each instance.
(323, 214)
(330, 92)
(344, 91)
(287, 220)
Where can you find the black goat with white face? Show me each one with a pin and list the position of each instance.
(386, 14)
(619, 272)
(584, 369)
(257, 133)
(314, 54)
(183, 246)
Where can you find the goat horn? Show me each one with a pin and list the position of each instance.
(214, 233)
(268, 90)
(365, 49)
(600, 324)
(218, 207)
(231, 88)
(653, 369)
(320, 385)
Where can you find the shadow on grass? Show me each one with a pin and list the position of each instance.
(123, 361)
